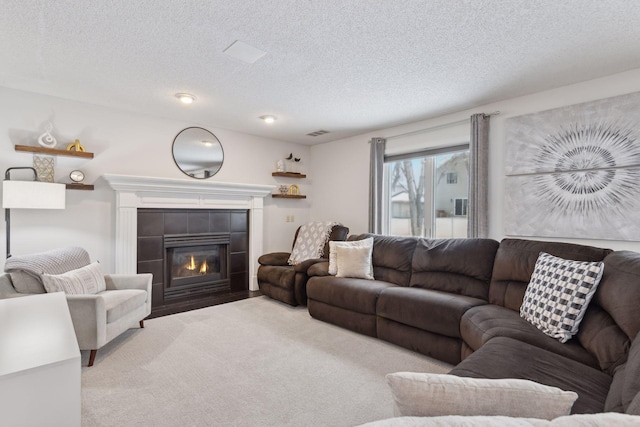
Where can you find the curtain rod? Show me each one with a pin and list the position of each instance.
(433, 128)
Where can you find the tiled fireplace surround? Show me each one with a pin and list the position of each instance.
(139, 192)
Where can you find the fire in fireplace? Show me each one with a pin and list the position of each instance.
(196, 264)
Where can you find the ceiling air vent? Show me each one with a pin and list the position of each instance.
(318, 133)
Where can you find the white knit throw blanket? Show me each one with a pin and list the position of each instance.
(55, 261)
(311, 240)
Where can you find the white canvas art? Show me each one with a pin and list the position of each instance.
(575, 171)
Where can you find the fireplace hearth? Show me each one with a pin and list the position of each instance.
(195, 256)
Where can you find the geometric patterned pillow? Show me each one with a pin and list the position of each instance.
(558, 294)
(85, 280)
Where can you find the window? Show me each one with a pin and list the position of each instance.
(460, 206)
(427, 193)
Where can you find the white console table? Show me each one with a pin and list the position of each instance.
(39, 362)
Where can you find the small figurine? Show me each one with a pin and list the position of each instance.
(46, 139)
(75, 146)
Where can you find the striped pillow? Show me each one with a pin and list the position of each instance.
(85, 280)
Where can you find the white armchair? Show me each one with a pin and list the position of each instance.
(97, 317)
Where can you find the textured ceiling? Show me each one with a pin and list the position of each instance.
(345, 66)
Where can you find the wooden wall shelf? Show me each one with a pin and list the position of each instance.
(86, 187)
(289, 174)
(53, 151)
(289, 196)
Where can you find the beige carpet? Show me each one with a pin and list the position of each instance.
(255, 362)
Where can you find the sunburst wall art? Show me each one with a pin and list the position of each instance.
(575, 171)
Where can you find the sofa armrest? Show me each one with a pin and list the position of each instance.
(89, 317)
(422, 394)
(129, 281)
(319, 269)
(303, 266)
(275, 258)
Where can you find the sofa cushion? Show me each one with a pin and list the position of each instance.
(480, 324)
(120, 303)
(612, 320)
(619, 290)
(85, 280)
(631, 385)
(391, 257)
(358, 295)
(634, 406)
(503, 357)
(559, 293)
(516, 259)
(277, 275)
(459, 266)
(432, 311)
(425, 394)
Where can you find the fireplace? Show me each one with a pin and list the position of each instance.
(195, 264)
(239, 205)
(195, 256)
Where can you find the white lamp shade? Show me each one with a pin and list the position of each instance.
(32, 195)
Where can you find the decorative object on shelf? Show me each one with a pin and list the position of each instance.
(46, 139)
(284, 189)
(197, 152)
(75, 146)
(289, 163)
(77, 176)
(28, 195)
(294, 190)
(280, 166)
(44, 167)
(296, 165)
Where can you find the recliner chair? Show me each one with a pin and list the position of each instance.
(288, 283)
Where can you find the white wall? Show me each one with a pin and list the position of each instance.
(132, 144)
(340, 169)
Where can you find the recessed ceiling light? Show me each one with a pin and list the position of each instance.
(185, 98)
(268, 119)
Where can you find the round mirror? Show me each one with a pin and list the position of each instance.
(197, 152)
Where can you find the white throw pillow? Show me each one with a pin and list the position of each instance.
(333, 261)
(559, 293)
(85, 280)
(355, 262)
(426, 395)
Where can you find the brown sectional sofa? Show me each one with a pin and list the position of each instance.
(458, 300)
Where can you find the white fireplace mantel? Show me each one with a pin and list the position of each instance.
(133, 192)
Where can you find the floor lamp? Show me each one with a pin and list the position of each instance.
(29, 195)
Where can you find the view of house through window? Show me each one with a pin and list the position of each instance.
(428, 196)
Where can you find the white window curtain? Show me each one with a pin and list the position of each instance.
(376, 168)
(478, 207)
